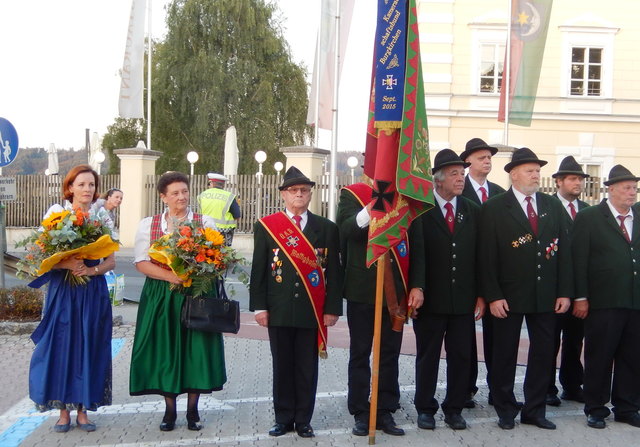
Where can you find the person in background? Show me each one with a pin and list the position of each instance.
(220, 205)
(167, 358)
(110, 200)
(295, 292)
(71, 363)
(570, 181)
(478, 189)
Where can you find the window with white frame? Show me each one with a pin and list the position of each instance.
(491, 67)
(586, 71)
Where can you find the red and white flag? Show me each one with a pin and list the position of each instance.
(131, 101)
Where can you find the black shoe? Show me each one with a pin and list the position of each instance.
(361, 428)
(631, 419)
(506, 424)
(167, 426)
(280, 429)
(470, 403)
(426, 421)
(388, 425)
(574, 395)
(552, 400)
(539, 422)
(596, 421)
(193, 419)
(304, 431)
(455, 421)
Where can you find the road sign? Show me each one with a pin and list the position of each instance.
(8, 142)
(7, 188)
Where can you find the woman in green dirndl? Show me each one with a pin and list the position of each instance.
(168, 359)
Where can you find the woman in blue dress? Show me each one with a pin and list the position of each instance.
(71, 364)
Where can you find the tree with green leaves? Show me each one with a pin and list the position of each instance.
(123, 133)
(223, 63)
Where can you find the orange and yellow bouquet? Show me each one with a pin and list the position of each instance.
(64, 234)
(197, 255)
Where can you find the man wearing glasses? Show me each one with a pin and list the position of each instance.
(295, 292)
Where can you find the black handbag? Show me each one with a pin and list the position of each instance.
(211, 314)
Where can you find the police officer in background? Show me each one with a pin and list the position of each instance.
(221, 205)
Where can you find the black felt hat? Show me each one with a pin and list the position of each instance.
(293, 176)
(522, 156)
(619, 174)
(569, 166)
(477, 144)
(446, 157)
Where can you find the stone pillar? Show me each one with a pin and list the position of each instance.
(310, 160)
(136, 164)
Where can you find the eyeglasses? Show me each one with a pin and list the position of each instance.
(301, 190)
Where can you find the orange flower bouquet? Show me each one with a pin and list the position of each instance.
(198, 256)
(64, 234)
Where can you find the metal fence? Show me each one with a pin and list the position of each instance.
(36, 193)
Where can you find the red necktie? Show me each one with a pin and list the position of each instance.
(449, 216)
(572, 209)
(531, 214)
(623, 228)
(298, 219)
(484, 194)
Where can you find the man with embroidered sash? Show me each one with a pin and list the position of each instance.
(220, 205)
(525, 274)
(478, 189)
(570, 180)
(443, 269)
(606, 254)
(295, 292)
(359, 290)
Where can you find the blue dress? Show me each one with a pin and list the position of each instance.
(71, 363)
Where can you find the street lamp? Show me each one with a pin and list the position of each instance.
(352, 162)
(99, 157)
(278, 166)
(261, 157)
(192, 158)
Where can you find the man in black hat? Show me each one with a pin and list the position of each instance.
(606, 259)
(570, 180)
(525, 274)
(443, 268)
(296, 282)
(478, 189)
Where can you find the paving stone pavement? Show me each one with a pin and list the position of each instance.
(242, 413)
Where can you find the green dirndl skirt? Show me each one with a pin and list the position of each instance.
(167, 358)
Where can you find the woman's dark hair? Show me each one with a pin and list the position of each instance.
(110, 192)
(171, 177)
(71, 177)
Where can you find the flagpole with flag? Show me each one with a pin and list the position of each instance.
(528, 25)
(397, 152)
(131, 98)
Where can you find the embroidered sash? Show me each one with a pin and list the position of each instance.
(302, 255)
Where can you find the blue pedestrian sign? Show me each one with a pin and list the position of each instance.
(8, 142)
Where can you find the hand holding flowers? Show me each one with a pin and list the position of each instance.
(197, 255)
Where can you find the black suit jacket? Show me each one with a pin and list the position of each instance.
(359, 281)
(470, 193)
(444, 264)
(287, 301)
(519, 266)
(607, 267)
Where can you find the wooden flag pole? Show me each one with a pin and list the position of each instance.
(375, 366)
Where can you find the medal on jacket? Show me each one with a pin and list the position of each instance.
(276, 266)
